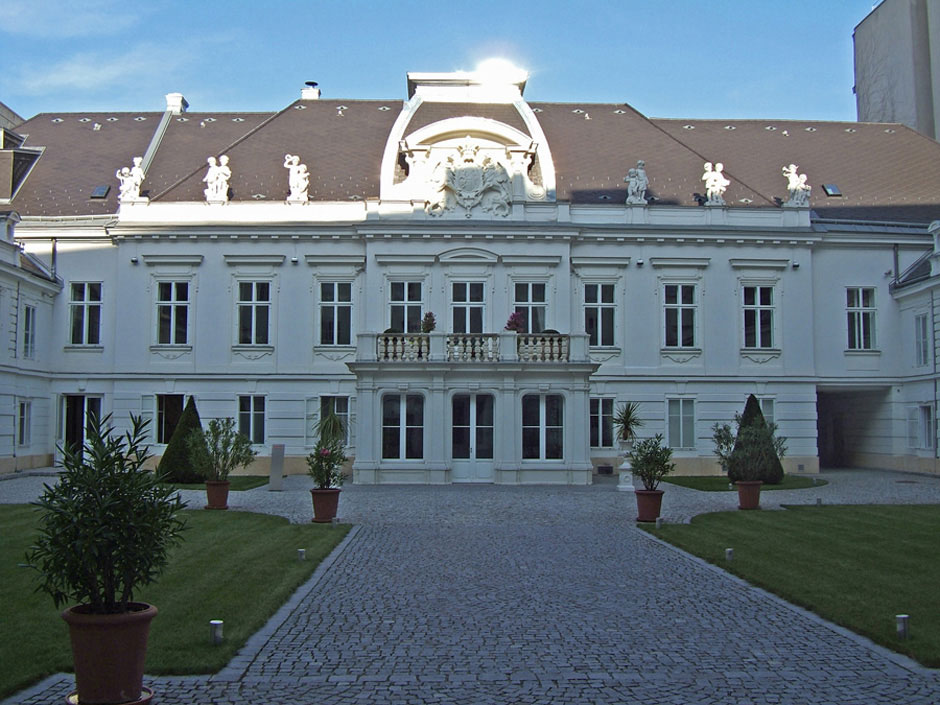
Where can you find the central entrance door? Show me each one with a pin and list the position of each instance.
(472, 437)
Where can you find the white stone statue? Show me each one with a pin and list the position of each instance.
(715, 184)
(797, 189)
(216, 179)
(131, 178)
(298, 178)
(637, 183)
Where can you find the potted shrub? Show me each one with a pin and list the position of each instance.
(324, 465)
(626, 421)
(105, 530)
(177, 464)
(216, 452)
(650, 461)
(755, 457)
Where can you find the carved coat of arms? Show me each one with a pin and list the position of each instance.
(469, 181)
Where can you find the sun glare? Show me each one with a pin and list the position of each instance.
(496, 71)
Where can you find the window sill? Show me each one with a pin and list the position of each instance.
(252, 352)
(873, 352)
(680, 355)
(170, 352)
(84, 348)
(760, 355)
(334, 352)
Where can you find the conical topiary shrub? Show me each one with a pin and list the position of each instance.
(755, 456)
(177, 465)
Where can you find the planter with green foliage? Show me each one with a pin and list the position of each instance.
(626, 421)
(105, 530)
(754, 459)
(216, 452)
(324, 465)
(650, 461)
(177, 464)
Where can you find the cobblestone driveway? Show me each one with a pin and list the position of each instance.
(535, 595)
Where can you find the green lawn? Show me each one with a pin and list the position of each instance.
(719, 483)
(238, 483)
(858, 566)
(206, 579)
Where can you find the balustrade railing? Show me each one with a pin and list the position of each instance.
(470, 347)
(403, 347)
(541, 347)
(475, 347)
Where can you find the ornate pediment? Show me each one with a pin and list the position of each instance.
(469, 179)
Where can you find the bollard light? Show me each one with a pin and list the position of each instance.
(215, 631)
(902, 626)
(819, 501)
(301, 554)
(729, 554)
(659, 522)
(730, 485)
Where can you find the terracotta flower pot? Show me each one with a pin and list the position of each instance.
(748, 494)
(109, 651)
(648, 504)
(217, 494)
(325, 503)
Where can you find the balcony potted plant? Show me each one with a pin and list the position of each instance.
(324, 465)
(650, 461)
(105, 530)
(216, 452)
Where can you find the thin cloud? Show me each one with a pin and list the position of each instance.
(59, 19)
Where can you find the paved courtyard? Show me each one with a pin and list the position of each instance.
(483, 594)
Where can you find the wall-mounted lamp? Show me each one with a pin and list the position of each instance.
(293, 260)
(133, 260)
(796, 265)
(639, 263)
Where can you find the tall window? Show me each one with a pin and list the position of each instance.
(602, 423)
(543, 426)
(467, 307)
(29, 332)
(405, 307)
(679, 309)
(335, 313)
(172, 313)
(767, 409)
(85, 313)
(254, 307)
(251, 417)
(921, 431)
(24, 420)
(860, 312)
(681, 423)
(529, 300)
(169, 410)
(402, 427)
(599, 310)
(921, 341)
(758, 316)
(339, 406)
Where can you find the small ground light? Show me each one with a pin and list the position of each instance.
(215, 631)
(902, 626)
(818, 501)
(729, 554)
(730, 485)
(301, 554)
(659, 522)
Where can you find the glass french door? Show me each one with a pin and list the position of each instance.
(472, 437)
(76, 411)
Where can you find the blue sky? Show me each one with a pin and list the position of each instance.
(667, 58)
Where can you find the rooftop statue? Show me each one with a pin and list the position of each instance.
(298, 178)
(715, 184)
(216, 179)
(637, 183)
(131, 178)
(797, 188)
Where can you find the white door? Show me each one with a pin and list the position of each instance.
(472, 437)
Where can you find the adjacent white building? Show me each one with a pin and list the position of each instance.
(277, 265)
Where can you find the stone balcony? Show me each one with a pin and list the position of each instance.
(472, 348)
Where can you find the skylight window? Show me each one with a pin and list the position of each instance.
(100, 192)
(831, 190)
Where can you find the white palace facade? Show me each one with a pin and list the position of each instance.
(277, 265)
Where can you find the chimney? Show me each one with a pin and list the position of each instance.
(310, 91)
(176, 103)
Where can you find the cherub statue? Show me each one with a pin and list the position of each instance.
(798, 190)
(715, 184)
(298, 178)
(131, 178)
(637, 183)
(216, 179)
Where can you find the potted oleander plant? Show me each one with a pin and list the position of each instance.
(650, 461)
(105, 530)
(324, 465)
(216, 452)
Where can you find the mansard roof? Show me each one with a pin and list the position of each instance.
(885, 172)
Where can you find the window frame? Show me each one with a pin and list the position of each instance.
(253, 419)
(683, 419)
(602, 330)
(921, 340)
(856, 317)
(159, 430)
(755, 310)
(601, 422)
(467, 305)
(680, 307)
(254, 305)
(406, 303)
(24, 422)
(403, 428)
(525, 307)
(85, 306)
(29, 331)
(174, 305)
(543, 428)
(336, 306)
